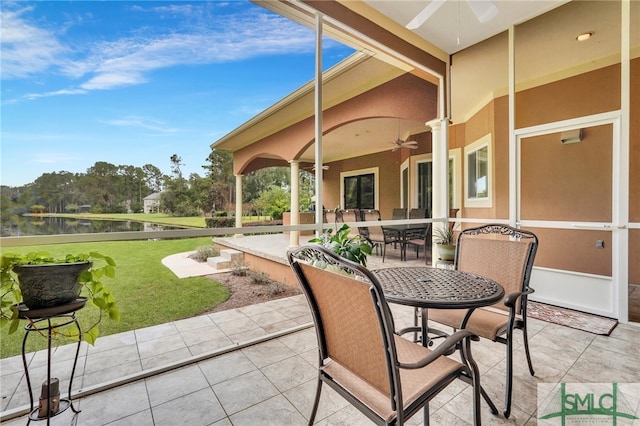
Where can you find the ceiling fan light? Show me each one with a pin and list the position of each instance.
(584, 36)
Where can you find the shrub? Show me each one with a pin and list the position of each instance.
(239, 268)
(202, 253)
(220, 222)
(259, 278)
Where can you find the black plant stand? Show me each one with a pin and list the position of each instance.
(45, 321)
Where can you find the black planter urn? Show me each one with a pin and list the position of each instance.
(51, 284)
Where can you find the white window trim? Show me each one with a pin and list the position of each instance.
(485, 202)
(376, 177)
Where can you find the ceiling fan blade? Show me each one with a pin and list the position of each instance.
(484, 10)
(425, 14)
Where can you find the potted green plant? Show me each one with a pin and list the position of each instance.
(354, 248)
(444, 236)
(37, 280)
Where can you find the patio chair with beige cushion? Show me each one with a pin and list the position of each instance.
(504, 254)
(379, 237)
(385, 376)
(421, 239)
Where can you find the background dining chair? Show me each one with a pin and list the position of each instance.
(350, 215)
(379, 237)
(421, 239)
(417, 213)
(368, 215)
(505, 255)
(331, 216)
(386, 377)
(399, 213)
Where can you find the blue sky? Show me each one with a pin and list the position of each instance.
(132, 83)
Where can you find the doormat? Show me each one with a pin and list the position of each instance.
(575, 319)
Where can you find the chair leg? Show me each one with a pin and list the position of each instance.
(509, 379)
(426, 415)
(526, 346)
(475, 381)
(316, 402)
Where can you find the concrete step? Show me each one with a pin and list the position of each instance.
(226, 259)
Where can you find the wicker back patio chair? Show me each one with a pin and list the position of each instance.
(385, 376)
(505, 255)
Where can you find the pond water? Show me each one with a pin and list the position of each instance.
(16, 226)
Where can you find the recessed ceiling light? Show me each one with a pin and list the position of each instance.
(584, 36)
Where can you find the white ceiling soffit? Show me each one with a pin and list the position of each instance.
(367, 136)
(453, 25)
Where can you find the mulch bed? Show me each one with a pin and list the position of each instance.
(245, 291)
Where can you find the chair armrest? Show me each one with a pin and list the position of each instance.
(511, 298)
(445, 347)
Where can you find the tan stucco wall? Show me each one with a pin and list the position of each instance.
(591, 93)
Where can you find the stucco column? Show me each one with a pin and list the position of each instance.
(238, 203)
(440, 151)
(294, 236)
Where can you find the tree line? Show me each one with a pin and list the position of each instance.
(109, 188)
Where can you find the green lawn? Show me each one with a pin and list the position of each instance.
(146, 291)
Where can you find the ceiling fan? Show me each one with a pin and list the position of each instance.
(399, 143)
(484, 10)
(313, 168)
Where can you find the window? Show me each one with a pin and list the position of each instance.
(478, 172)
(359, 189)
(425, 184)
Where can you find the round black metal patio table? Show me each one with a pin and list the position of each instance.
(424, 288)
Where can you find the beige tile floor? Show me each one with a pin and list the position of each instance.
(273, 382)
(256, 366)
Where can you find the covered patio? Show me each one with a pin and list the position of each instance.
(525, 126)
(256, 365)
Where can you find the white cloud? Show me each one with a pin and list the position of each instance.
(143, 123)
(26, 49)
(128, 61)
(53, 158)
(32, 96)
